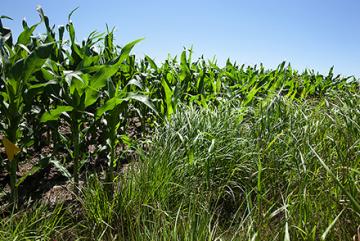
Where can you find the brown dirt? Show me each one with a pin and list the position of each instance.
(48, 185)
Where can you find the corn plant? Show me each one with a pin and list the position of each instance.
(113, 111)
(18, 65)
(83, 79)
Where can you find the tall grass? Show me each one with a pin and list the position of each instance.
(278, 170)
(36, 223)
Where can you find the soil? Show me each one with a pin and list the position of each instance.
(48, 185)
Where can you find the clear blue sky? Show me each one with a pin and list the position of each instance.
(312, 34)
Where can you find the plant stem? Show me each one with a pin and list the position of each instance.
(14, 190)
(75, 132)
(13, 164)
(110, 172)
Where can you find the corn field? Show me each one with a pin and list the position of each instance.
(65, 105)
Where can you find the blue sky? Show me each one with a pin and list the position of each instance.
(312, 34)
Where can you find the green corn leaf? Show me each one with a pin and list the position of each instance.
(48, 75)
(250, 96)
(5, 33)
(41, 85)
(168, 97)
(109, 105)
(98, 81)
(24, 48)
(5, 17)
(77, 83)
(76, 51)
(24, 68)
(55, 113)
(61, 168)
(25, 35)
(142, 99)
(151, 62)
(90, 97)
(135, 82)
(201, 82)
(87, 61)
(111, 89)
(115, 101)
(44, 162)
(44, 18)
(183, 61)
(109, 41)
(71, 13)
(125, 51)
(36, 89)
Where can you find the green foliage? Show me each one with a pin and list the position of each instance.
(239, 152)
(35, 223)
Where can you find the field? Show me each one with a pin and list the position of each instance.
(98, 144)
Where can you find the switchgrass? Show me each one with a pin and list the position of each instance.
(277, 170)
(35, 223)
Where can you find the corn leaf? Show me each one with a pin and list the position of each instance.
(55, 113)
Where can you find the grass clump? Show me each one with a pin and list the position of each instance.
(36, 223)
(258, 169)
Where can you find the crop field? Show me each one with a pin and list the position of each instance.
(100, 144)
